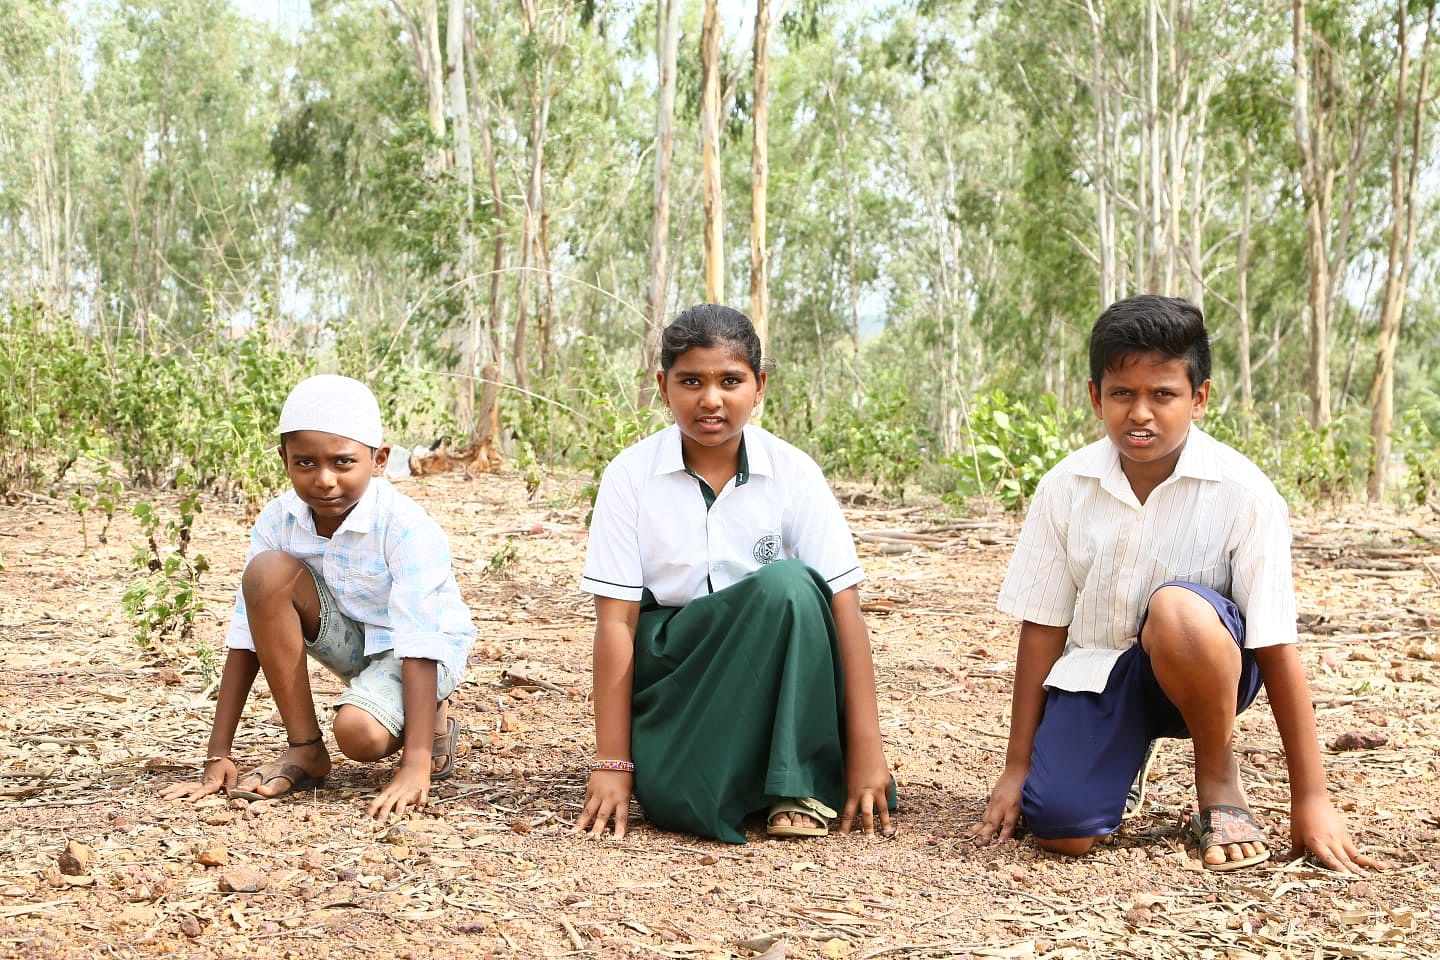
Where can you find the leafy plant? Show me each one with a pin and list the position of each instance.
(1422, 458)
(164, 600)
(880, 439)
(503, 558)
(1011, 445)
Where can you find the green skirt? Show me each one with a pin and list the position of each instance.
(738, 703)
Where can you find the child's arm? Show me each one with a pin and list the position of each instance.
(607, 794)
(409, 786)
(867, 777)
(220, 774)
(1315, 825)
(1040, 646)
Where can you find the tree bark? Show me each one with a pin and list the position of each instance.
(1401, 253)
(760, 178)
(1315, 187)
(667, 42)
(434, 83)
(469, 328)
(711, 194)
(1242, 288)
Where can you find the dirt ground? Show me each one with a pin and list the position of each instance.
(92, 727)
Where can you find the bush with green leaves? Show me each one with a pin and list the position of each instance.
(1011, 443)
(1306, 464)
(880, 440)
(1421, 451)
(163, 601)
(49, 397)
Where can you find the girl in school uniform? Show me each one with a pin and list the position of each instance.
(732, 665)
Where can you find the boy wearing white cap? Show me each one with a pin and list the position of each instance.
(344, 569)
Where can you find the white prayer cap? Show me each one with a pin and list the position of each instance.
(333, 404)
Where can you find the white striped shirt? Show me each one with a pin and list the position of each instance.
(1090, 554)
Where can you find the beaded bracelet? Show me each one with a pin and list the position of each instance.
(623, 766)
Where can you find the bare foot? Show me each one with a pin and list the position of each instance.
(795, 820)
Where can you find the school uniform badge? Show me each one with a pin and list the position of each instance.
(767, 549)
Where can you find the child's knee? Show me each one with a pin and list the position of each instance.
(1180, 620)
(1069, 846)
(360, 736)
(1065, 821)
(268, 573)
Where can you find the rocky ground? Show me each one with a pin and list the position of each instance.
(92, 864)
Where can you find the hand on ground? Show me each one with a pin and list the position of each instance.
(1002, 811)
(219, 777)
(408, 789)
(1316, 827)
(868, 798)
(607, 798)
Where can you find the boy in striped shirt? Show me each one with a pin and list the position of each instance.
(345, 570)
(1152, 576)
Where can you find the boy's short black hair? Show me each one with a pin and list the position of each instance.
(1167, 325)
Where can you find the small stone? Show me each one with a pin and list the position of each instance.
(239, 803)
(242, 880)
(1137, 916)
(170, 677)
(709, 860)
(190, 926)
(220, 819)
(213, 855)
(76, 860)
(510, 722)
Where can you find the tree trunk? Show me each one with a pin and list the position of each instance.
(434, 83)
(760, 178)
(1242, 289)
(667, 41)
(1315, 189)
(539, 121)
(469, 328)
(1400, 259)
(710, 155)
(497, 205)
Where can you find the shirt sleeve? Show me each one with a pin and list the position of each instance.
(1038, 586)
(1261, 580)
(265, 535)
(818, 533)
(612, 554)
(428, 620)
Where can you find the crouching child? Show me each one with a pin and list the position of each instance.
(1153, 579)
(344, 569)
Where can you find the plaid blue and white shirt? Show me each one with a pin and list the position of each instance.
(388, 566)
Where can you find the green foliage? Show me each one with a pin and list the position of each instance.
(208, 412)
(163, 601)
(503, 558)
(1421, 446)
(1305, 464)
(1011, 443)
(880, 440)
(583, 417)
(48, 399)
(102, 498)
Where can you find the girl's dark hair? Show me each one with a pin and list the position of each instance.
(1146, 323)
(708, 325)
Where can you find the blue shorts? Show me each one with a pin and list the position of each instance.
(1090, 746)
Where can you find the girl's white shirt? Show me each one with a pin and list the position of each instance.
(651, 529)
